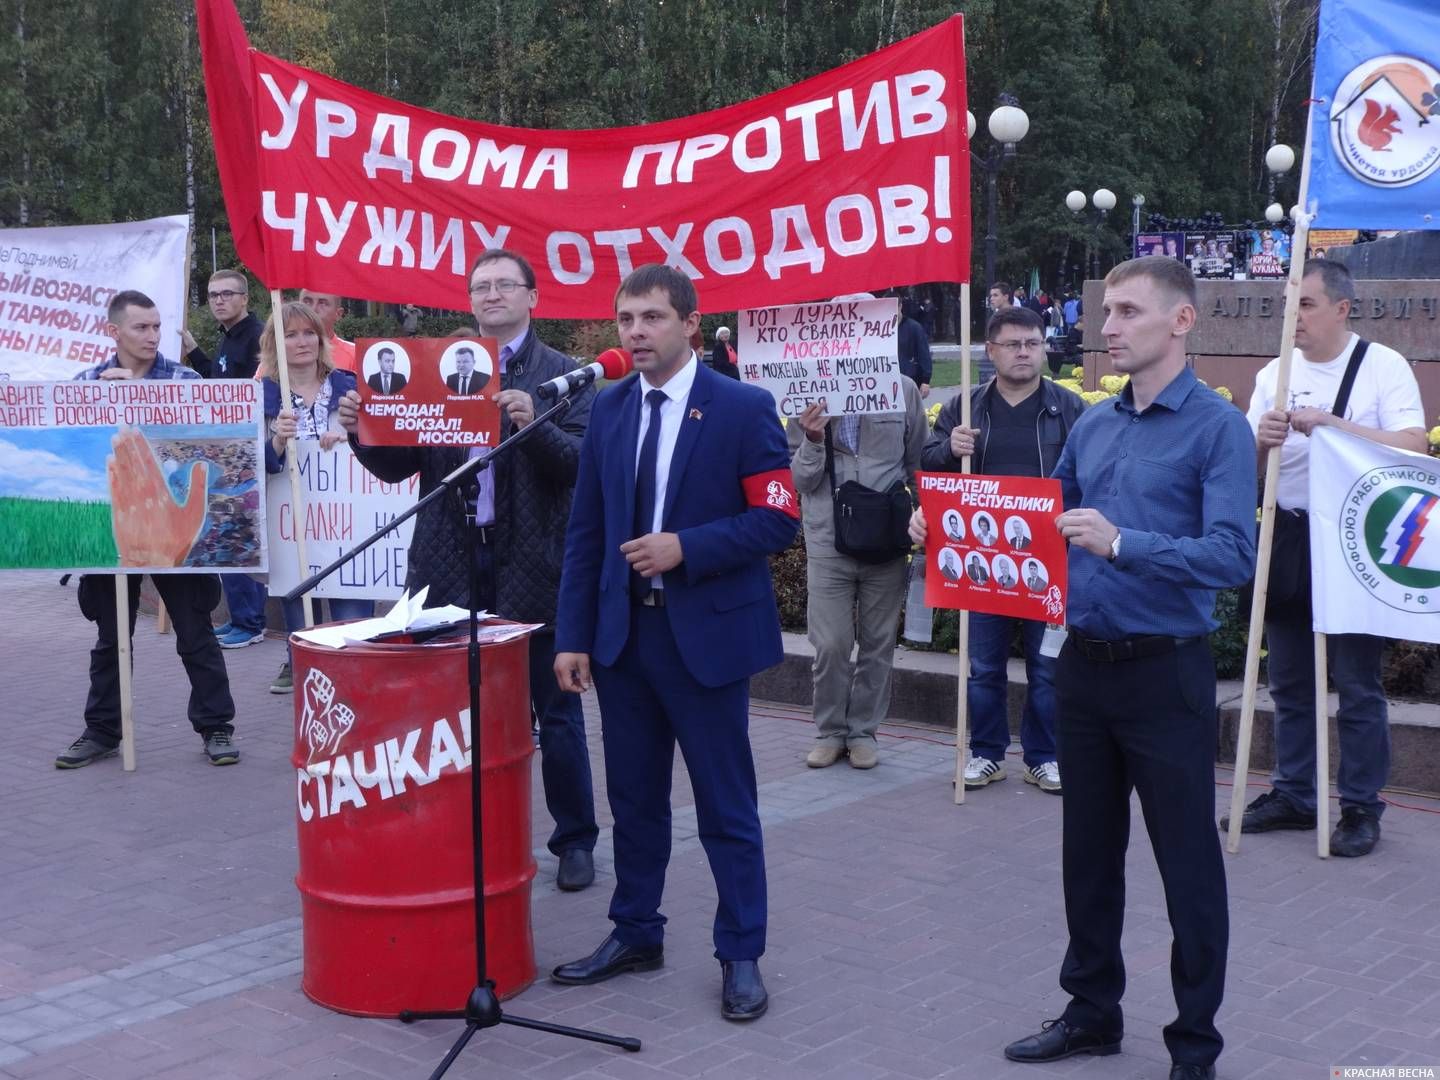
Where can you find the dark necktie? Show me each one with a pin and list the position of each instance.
(464, 384)
(387, 384)
(645, 485)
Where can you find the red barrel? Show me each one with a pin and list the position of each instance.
(382, 760)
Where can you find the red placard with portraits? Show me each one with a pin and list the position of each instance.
(428, 391)
(993, 546)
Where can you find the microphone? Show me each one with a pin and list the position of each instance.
(612, 364)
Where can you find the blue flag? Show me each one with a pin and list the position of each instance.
(1375, 147)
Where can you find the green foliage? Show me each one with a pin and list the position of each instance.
(104, 115)
(1230, 639)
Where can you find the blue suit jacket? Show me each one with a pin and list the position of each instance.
(719, 600)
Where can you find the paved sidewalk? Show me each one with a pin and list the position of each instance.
(149, 923)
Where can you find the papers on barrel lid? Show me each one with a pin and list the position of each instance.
(408, 616)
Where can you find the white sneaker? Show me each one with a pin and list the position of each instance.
(980, 771)
(1045, 776)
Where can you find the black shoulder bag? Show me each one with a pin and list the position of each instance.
(871, 526)
(1288, 594)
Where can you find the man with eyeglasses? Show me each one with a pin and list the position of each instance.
(519, 510)
(1022, 421)
(236, 357)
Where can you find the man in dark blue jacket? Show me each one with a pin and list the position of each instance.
(914, 348)
(666, 601)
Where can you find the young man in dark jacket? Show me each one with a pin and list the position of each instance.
(1022, 421)
(520, 509)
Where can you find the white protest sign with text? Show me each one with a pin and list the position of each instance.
(56, 284)
(842, 354)
(343, 505)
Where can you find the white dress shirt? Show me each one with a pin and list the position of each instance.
(672, 414)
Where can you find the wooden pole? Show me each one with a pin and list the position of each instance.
(962, 689)
(1322, 750)
(292, 462)
(1298, 246)
(122, 657)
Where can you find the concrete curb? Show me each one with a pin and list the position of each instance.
(924, 688)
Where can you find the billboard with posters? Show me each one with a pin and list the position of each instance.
(993, 546)
(1211, 254)
(1169, 244)
(1269, 253)
(1319, 241)
(428, 391)
(843, 354)
(56, 284)
(146, 475)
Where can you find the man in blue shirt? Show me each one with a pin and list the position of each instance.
(1160, 513)
(134, 323)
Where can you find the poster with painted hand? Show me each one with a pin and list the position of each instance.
(147, 476)
(843, 354)
(993, 546)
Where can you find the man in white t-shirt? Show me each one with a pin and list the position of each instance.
(1383, 406)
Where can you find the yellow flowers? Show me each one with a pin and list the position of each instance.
(1224, 391)
(1073, 385)
(933, 413)
(1434, 437)
(1077, 373)
(1092, 396)
(1113, 384)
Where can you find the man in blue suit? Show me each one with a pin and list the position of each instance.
(666, 600)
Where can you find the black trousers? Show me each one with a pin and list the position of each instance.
(1147, 726)
(189, 598)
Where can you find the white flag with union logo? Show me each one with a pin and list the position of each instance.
(1374, 538)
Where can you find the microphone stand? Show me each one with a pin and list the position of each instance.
(482, 1007)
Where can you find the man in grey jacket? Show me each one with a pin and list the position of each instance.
(1022, 421)
(846, 595)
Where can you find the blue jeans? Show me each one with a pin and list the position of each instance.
(989, 685)
(341, 610)
(1363, 722)
(245, 597)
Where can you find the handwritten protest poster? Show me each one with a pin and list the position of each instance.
(343, 505)
(56, 284)
(428, 391)
(148, 475)
(993, 546)
(843, 354)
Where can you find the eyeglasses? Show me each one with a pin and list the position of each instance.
(1014, 348)
(224, 294)
(503, 287)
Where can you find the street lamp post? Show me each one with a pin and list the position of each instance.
(1104, 201)
(1008, 124)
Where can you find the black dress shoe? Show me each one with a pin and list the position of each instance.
(1270, 811)
(612, 958)
(1180, 1071)
(1357, 833)
(1058, 1039)
(577, 870)
(742, 993)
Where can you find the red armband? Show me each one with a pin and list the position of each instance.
(772, 489)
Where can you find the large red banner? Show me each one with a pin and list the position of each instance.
(993, 546)
(856, 179)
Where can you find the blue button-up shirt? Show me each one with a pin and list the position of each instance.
(161, 369)
(1178, 481)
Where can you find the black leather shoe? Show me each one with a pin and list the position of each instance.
(1180, 1071)
(612, 958)
(742, 993)
(577, 870)
(1271, 811)
(1058, 1039)
(1357, 832)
